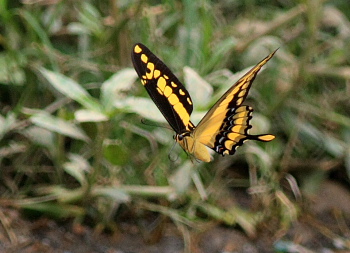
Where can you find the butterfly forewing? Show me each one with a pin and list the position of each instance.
(225, 127)
(166, 91)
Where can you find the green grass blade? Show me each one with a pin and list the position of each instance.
(71, 89)
(47, 121)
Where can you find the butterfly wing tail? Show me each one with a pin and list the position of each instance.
(262, 137)
(234, 131)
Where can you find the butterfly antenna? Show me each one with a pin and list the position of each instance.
(147, 123)
(173, 159)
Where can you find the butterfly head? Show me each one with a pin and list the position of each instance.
(180, 137)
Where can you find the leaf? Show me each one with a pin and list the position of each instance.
(111, 88)
(56, 210)
(201, 91)
(77, 28)
(89, 116)
(62, 194)
(142, 106)
(35, 27)
(114, 193)
(182, 178)
(77, 167)
(115, 152)
(6, 123)
(47, 121)
(149, 191)
(231, 217)
(220, 54)
(71, 89)
(91, 18)
(11, 71)
(42, 137)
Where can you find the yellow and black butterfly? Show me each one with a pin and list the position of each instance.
(225, 126)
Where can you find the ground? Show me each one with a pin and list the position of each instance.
(324, 227)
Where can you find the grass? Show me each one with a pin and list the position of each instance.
(72, 144)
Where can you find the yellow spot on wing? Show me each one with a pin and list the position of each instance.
(144, 58)
(240, 121)
(173, 99)
(181, 111)
(236, 129)
(242, 93)
(168, 91)
(166, 77)
(149, 74)
(249, 78)
(189, 101)
(137, 49)
(240, 115)
(160, 91)
(234, 136)
(229, 98)
(241, 109)
(161, 83)
(182, 92)
(156, 73)
(245, 86)
(229, 144)
(173, 84)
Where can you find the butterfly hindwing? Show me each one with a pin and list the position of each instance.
(234, 131)
(166, 91)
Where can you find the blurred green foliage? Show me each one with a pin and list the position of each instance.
(72, 143)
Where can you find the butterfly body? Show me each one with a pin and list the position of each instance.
(193, 146)
(225, 126)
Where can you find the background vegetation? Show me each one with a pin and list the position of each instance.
(72, 143)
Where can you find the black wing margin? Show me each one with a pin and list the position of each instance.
(166, 91)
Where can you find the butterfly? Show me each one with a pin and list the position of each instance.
(224, 127)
